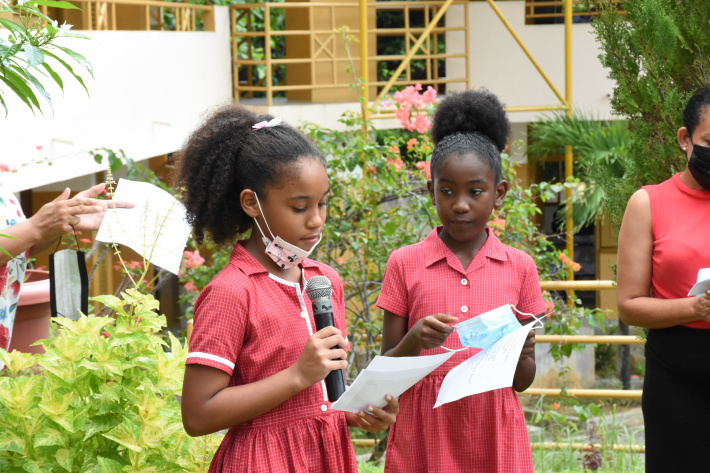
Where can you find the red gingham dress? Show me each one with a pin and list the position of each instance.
(251, 325)
(482, 433)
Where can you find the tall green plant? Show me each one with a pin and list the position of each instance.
(601, 150)
(658, 53)
(30, 53)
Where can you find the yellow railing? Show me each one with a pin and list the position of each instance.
(135, 15)
(552, 11)
(321, 47)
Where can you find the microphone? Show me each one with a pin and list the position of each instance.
(319, 291)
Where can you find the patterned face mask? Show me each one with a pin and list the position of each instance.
(486, 329)
(284, 254)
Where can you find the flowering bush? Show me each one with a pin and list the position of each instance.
(35, 35)
(413, 108)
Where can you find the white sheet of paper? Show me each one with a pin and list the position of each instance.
(492, 368)
(703, 283)
(387, 375)
(156, 227)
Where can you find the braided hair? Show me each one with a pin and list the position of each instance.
(226, 155)
(695, 108)
(470, 122)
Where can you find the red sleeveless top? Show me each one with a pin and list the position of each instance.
(681, 239)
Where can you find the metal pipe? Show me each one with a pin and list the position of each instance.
(585, 393)
(590, 339)
(586, 446)
(525, 50)
(569, 155)
(577, 285)
(364, 67)
(411, 53)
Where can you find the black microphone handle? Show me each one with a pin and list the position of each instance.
(334, 382)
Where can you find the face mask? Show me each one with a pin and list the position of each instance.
(284, 254)
(68, 284)
(486, 329)
(699, 165)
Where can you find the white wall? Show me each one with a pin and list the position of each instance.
(150, 89)
(498, 63)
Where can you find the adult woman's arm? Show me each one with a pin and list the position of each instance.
(634, 267)
(40, 232)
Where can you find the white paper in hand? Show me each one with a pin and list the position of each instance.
(492, 368)
(156, 227)
(387, 375)
(703, 283)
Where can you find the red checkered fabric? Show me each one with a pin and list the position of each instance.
(481, 433)
(251, 325)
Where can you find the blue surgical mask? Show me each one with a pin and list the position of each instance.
(484, 330)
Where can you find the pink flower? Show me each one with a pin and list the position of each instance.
(135, 265)
(394, 149)
(411, 143)
(190, 286)
(85, 240)
(426, 166)
(421, 123)
(39, 147)
(429, 96)
(373, 169)
(397, 163)
(4, 167)
(192, 259)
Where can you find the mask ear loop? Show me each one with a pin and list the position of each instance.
(262, 214)
(538, 320)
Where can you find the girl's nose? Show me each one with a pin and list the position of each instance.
(315, 220)
(460, 205)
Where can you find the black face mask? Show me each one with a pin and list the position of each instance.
(699, 165)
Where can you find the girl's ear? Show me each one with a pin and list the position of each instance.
(248, 201)
(501, 190)
(430, 188)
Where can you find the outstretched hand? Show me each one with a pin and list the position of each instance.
(378, 418)
(92, 221)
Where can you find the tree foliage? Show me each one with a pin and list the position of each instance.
(29, 53)
(658, 55)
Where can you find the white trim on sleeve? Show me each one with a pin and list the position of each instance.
(208, 356)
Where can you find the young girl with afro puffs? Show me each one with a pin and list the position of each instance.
(459, 271)
(255, 365)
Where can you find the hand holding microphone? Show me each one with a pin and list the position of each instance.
(319, 291)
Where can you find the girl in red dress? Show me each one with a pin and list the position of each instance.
(459, 271)
(255, 365)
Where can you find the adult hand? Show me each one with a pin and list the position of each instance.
(57, 217)
(701, 306)
(378, 418)
(92, 221)
(432, 331)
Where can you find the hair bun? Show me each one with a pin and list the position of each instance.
(472, 111)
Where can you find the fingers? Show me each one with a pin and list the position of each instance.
(91, 191)
(63, 196)
(446, 319)
(120, 204)
(378, 418)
